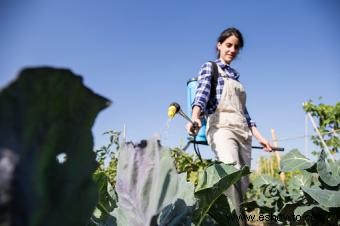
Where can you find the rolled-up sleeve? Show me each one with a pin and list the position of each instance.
(204, 85)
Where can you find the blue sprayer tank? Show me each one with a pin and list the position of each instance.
(191, 92)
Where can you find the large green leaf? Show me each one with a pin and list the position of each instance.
(294, 160)
(325, 198)
(212, 177)
(329, 171)
(301, 180)
(297, 182)
(212, 183)
(43, 113)
(150, 192)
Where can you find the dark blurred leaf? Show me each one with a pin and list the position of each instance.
(46, 112)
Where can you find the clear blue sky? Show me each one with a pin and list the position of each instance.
(140, 55)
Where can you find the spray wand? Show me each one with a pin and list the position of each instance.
(175, 108)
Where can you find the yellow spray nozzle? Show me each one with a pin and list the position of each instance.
(171, 111)
(175, 108)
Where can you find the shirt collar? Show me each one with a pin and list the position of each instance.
(222, 65)
(229, 70)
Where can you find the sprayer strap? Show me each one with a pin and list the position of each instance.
(214, 78)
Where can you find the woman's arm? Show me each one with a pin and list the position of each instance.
(256, 133)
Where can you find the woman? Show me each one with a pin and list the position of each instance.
(229, 126)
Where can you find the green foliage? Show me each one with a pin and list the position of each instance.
(313, 187)
(105, 178)
(315, 190)
(329, 121)
(186, 163)
(110, 171)
(268, 169)
(107, 153)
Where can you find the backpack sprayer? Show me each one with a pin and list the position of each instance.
(175, 108)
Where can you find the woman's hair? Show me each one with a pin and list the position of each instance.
(226, 34)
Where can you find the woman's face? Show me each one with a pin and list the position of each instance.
(228, 49)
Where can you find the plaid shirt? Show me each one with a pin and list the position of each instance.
(204, 85)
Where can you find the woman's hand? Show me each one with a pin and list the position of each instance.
(195, 118)
(266, 145)
(193, 130)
